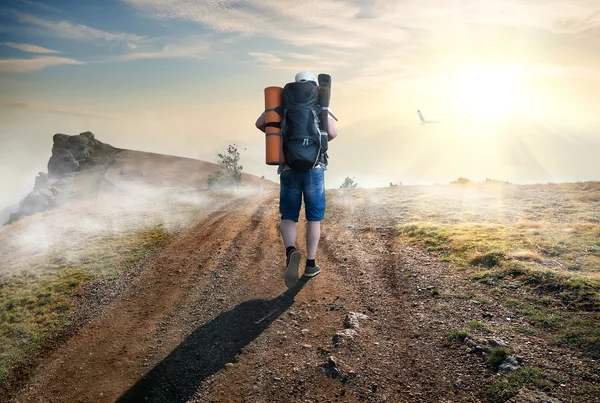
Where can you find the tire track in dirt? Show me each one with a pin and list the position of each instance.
(210, 320)
(284, 363)
(221, 313)
(259, 346)
(103, 359)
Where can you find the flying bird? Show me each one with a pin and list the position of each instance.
(424, 121)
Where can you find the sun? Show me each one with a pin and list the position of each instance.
(489, 92)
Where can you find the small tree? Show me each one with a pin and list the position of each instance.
(349, 183)
(229, 160)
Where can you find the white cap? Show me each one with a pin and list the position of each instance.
(306, 76)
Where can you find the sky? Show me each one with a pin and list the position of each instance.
(514, 85)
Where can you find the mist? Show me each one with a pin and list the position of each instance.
(66, 230)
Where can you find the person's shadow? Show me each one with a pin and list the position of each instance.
(206, 351)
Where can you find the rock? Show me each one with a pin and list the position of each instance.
(33, 203)
(61, 162)
(14, 217)
(329, 368)
(480, 350)
(78, 146)
(331, 360)
(60, 140)
(343, 336)
(496, 343)
(91, 138)
(510, 364)
(68, 155)
(46, 192)
(351, 321)
(40, 181)
(532, 396)
(55, 191)
(69, 152)
(229, 365)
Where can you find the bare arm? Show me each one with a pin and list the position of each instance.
(261, 122)
(331, 129)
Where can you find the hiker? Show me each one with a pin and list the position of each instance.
(293, 185)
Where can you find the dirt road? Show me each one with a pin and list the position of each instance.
(208, 318)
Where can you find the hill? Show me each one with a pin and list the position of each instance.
(82, 166)
(436, 293)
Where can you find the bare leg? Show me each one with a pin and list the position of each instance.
(288, 232)
(313, 234)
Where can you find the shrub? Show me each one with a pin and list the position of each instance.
(349, 183)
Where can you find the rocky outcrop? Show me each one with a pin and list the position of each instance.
(70, 154)
(61, 163)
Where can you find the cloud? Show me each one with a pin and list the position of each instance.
(218, 15)
(266, 58)
(297, 61)
(38, 63)
(312, 22)
(55, 109)
(578, 25)
(189, 47)
(39, 5)
(355, 24)
(30, 48)
(66, 29)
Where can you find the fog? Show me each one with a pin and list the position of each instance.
(66, 230)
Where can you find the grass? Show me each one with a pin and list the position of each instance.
(476, 325)
(525, 330)
(497, 356)
(45, 260)
(537, 247)
(458, 335)
(582, 334)
(37, 302)
(496, 253)
(508, 386)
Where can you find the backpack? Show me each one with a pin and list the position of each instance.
(304, 145)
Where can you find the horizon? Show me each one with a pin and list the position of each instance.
(513, 85)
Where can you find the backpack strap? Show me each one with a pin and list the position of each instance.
(274, 124)
(276, 109)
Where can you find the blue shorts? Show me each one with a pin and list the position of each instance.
(293, 185)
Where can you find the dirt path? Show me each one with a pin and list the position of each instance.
(209, 319)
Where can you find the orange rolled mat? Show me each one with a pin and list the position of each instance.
(274, 153)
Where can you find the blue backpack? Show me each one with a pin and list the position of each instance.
(304, 145)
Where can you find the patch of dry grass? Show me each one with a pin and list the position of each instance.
(544, 239)
(44, 259)
(524, 255)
